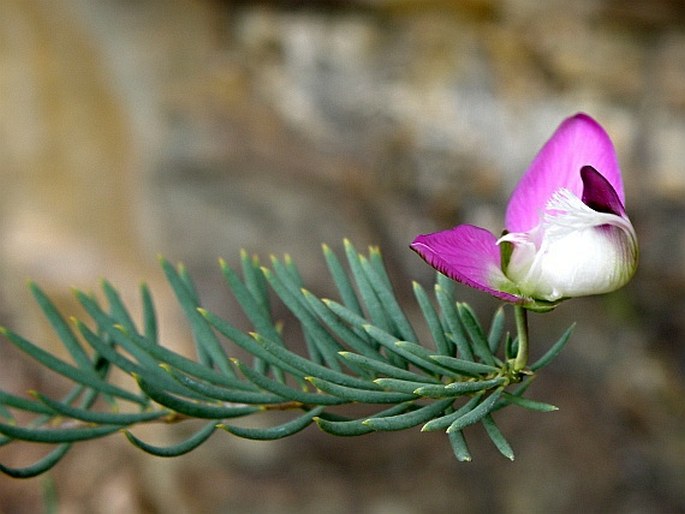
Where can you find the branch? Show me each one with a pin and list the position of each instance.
(360, 349)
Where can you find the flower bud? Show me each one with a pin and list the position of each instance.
(567, 231)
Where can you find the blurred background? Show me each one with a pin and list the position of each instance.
(196, 128)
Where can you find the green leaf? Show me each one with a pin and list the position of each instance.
(356, 427)
(351, 338)
(194, 409)
(62, 329)
(11, 400)
(277, 432)
(253, 298)
(518, 393)
(477, 413)
(463, 367)
(496, 330)
(249, 344)
(279, 388)
(432, 320)
(73, 373)
(497, 437)
(118, 311)
(409, 419)
(408, 352)
(5, 413)
(57, 435)
(254, 281)
(376, 261)
(386, 296)
(205, 340)
(357, 322)
(109, 325)
(422, 357)
(479, 342)
(103, 418)
(391, 343)
(290, 267)
(149, 315)
(39, 467)
(325, 344)
(310, 368)
(188, 281)
(459, 446)
(152, 372)
(554, 350)
(368, 295)
(445, 421)
(342, 282)
(459, 388)
(224, 394)
(175, 450)
(446, 284)
(288, 276)
(404, 386)
(190, 367)
(453, 323)
(383, 368)
(469, 386)
(254, 309)
(351, 428)
(529, 404)
(510, 347)
(353, 394)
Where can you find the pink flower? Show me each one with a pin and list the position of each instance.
(567, 233)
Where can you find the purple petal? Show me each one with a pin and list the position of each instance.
(469, 255)
(579, 141)
(598, 193)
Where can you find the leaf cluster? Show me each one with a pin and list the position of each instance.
(359, 349)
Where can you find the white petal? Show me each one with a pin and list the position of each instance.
(575, 251)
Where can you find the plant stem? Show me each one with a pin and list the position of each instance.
(521, 315)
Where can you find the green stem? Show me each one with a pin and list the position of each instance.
(521, 315)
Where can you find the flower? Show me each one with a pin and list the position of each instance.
(567, 233)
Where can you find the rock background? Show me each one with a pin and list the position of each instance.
(196, 128)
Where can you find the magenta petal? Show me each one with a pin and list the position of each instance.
(579, 141)
(469, 255)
